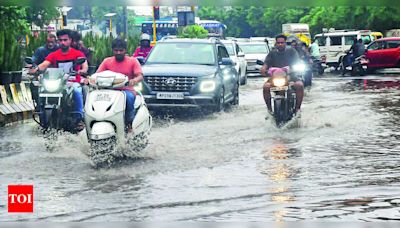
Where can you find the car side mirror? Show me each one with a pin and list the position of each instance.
(240, 54)
(29, 60)
(259, 62)
(140, 59)
(226, 61)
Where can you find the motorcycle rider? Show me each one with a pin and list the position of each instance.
(144, 49)
(128, 66)
(42, 52)
(38, 57)
(360, 48)
(281, 57)
(64, 58)
(314, 49)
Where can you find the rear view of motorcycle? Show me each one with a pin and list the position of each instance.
(317, 67)
(356, 66)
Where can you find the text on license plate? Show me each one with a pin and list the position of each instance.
(103, 97)
(279, 88)
(170, 96)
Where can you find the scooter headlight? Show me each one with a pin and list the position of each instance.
(207, 86)
(52, 85)
(138, 87)
(279, 82)
(299, 67)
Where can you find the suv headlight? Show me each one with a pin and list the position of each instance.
(52, 85)
(207, 86)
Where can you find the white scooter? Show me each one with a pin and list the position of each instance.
(105, 119)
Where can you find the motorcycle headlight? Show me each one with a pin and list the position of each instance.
(279, 82)
(138, 87)
(207, 86)
(299, 67)
(52, 85)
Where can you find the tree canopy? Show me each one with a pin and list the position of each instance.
(267, 21)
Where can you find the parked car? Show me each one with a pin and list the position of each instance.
(237, 56)
(383, 53)
(254, 51)
(190, 73)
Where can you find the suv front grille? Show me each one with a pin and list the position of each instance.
(170, 83)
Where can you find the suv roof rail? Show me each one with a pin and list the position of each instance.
(168, 37)
(213, 38)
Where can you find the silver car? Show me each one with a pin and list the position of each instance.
(237, 56)
(254, 51)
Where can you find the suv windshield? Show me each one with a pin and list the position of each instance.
(182, 53)
(254, 48)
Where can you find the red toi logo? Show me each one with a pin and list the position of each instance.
(20, 198)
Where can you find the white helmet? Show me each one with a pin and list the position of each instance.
(145, 36)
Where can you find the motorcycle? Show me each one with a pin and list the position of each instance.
(106, 129)
(317, 66)
(283, 95)
(55, 99)
(302, 70)
(357, 67)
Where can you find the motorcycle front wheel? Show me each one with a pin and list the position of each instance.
(279, 112)
(101, 151)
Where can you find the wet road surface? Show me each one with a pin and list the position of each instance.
(338, 162)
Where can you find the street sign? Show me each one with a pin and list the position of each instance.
(185, 18)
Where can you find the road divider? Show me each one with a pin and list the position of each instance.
(15, 102)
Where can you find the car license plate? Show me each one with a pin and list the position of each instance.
(170, 96)
(279, 88)
(103, 97)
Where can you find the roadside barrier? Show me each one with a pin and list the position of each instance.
(15, 102)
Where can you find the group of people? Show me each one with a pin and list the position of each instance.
(62, 50)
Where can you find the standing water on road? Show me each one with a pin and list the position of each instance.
(340, 164)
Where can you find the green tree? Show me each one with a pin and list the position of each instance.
(13, 24)
(41, 15)
(193, 31)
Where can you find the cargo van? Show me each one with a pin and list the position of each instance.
(334, 44)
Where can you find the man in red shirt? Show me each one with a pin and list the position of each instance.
(144, 49)
(64, 58)
(128, 66)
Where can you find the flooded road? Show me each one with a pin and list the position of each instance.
(338, 162)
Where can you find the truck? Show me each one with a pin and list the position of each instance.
(301, 30)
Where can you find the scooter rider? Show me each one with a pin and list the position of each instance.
(128, 66)
(281, 57)
(144, 49)
(64, 58)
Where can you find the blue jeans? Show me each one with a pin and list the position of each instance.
(130, 109)
(349, 59)
(78, 98)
